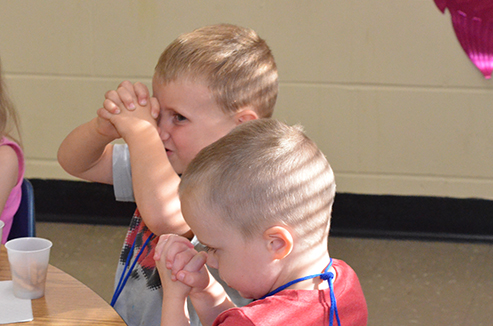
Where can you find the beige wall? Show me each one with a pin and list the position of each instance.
(381, 85)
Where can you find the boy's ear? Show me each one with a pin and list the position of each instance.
(279, 241)
(245, 115)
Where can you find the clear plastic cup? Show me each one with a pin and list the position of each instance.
(1, 230)
(28, 258)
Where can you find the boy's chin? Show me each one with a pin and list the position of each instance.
(177, 166)
(248, 296)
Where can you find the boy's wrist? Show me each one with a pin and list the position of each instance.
(105, 134)
(175, 290)
(130, 128)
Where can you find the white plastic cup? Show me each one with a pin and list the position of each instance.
(28, 258)
(1, 230)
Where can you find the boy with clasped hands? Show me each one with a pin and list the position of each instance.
(206, 82)
(259, 200)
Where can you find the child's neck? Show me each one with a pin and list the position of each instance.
(300, 266)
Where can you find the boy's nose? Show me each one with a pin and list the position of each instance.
(163, 133)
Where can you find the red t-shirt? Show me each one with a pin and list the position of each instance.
(305, 307)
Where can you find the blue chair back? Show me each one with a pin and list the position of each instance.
(24, 223)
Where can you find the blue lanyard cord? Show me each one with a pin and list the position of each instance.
(329, 277)
(124, 269)
(124, 277)
(326, 276)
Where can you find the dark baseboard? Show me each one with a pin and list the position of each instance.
(79, 202)
(377, 216)
(413, 217)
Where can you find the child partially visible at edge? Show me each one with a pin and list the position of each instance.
(11, 160)
(206, 82)
(260, 201)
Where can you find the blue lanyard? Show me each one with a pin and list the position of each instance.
(124, 277)
(326, 276)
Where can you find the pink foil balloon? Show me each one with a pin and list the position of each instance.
(473, 24)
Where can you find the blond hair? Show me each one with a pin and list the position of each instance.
(9, 120)
(234, 62)
(263, 173)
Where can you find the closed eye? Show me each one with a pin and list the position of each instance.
(208, 249)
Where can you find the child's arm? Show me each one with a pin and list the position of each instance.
(210, 301)
(87, 153)
(9, 170)
(184, 264)
(155, 182)
(174, 307)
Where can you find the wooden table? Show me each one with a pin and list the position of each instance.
(66, 302)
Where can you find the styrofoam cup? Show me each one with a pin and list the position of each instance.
(28, 258)
(1, 230)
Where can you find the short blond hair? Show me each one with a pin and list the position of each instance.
(235, 63)
(263, 173)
